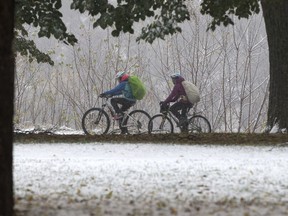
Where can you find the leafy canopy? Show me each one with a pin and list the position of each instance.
(222, 10)
(46, 18)
(165, 15)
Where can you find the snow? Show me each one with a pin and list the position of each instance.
(47, 129)
(148, 179)
(275, 129)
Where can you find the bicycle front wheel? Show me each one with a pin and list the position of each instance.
(160, 124)
(137, 122)
(95, 122)
(199, 124)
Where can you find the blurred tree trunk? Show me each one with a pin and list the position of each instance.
(6, 108)
(275, 16)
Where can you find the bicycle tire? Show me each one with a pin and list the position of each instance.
(137, 122)
(199, 124)
(93, 126)
(160, 124)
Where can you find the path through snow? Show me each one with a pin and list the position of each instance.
(148, 179)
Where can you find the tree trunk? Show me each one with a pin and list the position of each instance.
(6, 108)
(275, 16)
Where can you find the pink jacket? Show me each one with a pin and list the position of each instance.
(176, 92)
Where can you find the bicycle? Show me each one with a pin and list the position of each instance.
(97, 121)
(162, 123)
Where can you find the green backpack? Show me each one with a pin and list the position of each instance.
(137, 87)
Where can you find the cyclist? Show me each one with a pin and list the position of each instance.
(127, 99)
(179, 96)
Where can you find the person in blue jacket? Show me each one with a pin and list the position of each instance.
(126, 100)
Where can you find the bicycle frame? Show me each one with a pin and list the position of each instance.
(171, 116)
(102, 120)
(106, 103)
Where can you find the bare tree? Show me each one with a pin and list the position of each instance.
(229, 66)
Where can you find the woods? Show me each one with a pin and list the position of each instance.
(230, 66)
(234, 93)
(157, 26)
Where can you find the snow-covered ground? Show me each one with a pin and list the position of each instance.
(148, 179)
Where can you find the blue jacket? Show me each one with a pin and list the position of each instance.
(122, 88)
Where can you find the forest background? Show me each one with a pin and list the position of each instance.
(229, 65)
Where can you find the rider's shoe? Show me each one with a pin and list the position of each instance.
(182, 121)
(124, 131)
(184, 128)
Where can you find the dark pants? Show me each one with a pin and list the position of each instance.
(125, 104)
(176, 107)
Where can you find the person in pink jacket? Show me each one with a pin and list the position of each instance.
(178, 95)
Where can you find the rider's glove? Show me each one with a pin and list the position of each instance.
(102, 95)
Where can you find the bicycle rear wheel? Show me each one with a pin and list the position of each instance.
(199, 124)
(160, 124)
(137, 122)
(95, 122)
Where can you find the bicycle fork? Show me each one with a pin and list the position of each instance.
(162, 122)
(98, 118)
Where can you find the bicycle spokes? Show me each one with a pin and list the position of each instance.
(95, 121)
(137, 122)
(133, 123)
(160, 124)
(196, 129)
(199, 124)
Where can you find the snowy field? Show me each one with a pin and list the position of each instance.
(148, 179)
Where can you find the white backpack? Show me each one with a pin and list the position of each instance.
(192, 92)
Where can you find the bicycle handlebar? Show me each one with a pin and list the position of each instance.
(105, 96)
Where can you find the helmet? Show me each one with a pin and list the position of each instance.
(124, 77)
(119, 74)
(175, 75)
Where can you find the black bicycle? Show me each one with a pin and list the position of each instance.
(97, 121)
(162, 123)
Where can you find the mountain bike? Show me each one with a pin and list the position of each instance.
(97, 121)
(162, 123)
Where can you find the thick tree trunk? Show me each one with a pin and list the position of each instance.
(6, 107)
(275, 16)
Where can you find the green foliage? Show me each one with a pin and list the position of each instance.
(166, 16)
(222, 10)
(28, 48)
(45, 16)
